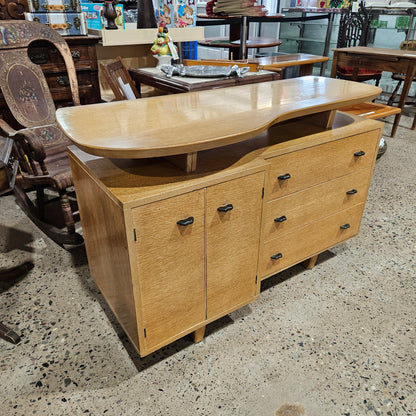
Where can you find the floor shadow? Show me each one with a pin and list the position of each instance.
(15, 239)
(293, 271)
(143, 363)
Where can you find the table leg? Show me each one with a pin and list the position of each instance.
(410, 73)
(334, 65)
(327, 41)
(305, 70)
(243, 37)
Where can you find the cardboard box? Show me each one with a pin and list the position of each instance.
(95, 18)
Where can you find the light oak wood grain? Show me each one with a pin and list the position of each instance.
(186, 123)
(232, 242)
(318, 164)
(312, 203)
(305, 242)
(170, 266)
(165, 280)
(105, 239)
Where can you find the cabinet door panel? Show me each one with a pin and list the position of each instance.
(170, 265)
(233, 213)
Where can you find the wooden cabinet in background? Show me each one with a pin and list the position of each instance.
(85, 60)
(172, 252)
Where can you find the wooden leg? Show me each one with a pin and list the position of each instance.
(405, 91)
(198, 335)
(310, 263)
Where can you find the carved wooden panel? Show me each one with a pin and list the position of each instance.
(13, 9)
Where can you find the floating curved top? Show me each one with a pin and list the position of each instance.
(190, 122)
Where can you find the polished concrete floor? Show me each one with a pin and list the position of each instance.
(337, 340)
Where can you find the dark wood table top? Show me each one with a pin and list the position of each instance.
(176, 84)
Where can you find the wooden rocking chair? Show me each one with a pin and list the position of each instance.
(38, 144)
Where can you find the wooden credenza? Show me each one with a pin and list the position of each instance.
(172, 252)
(264, 176)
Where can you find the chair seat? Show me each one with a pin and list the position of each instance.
(348, 70)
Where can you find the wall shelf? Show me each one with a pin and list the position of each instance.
(146, 36)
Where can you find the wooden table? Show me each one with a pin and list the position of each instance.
(173, 251)
(391, 60)
(175, 84)
(278, 63)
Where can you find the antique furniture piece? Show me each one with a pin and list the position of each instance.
(353, 31)
(392, 60)
(277, 178)
(117, 76)
(39, 145)
(53, 66)
(277, 63)
(239, 40)
(13, 9)
(240, 25)
(157, 79)
(7, 173)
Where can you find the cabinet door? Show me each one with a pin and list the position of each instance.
(233, 214)
(170, 264)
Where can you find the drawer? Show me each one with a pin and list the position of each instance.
(88, 87)
(61, 80)
(296, 246)
(285, 214)
(311, 166)
(51, 60)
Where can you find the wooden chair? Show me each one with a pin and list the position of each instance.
(410, 45)
(118, 78)
(353, 31)
(38, 144)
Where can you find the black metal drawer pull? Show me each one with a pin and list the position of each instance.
(280, 219)
(284, 177)
(76, 54)
(276, 256)
(62, 80)
(360, 153)
(225, 208)
(345, 226)
(186, 221)
(352, 192)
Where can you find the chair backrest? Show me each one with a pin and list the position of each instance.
(119, 79)
(354, 28)
(22, 82)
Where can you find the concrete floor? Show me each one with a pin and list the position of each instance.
(337, 340)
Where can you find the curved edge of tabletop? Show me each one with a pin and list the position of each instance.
(256, 126)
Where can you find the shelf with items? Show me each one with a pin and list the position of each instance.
(306, 33)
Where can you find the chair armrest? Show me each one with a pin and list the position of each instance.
(31, 145)
(6, 129)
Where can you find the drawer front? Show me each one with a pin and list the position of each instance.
(296, 210)
(51, 60)
(88, 87)
(170, 280)
(61, 80)
(233, 213)
(299, 170)
(293, 247)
